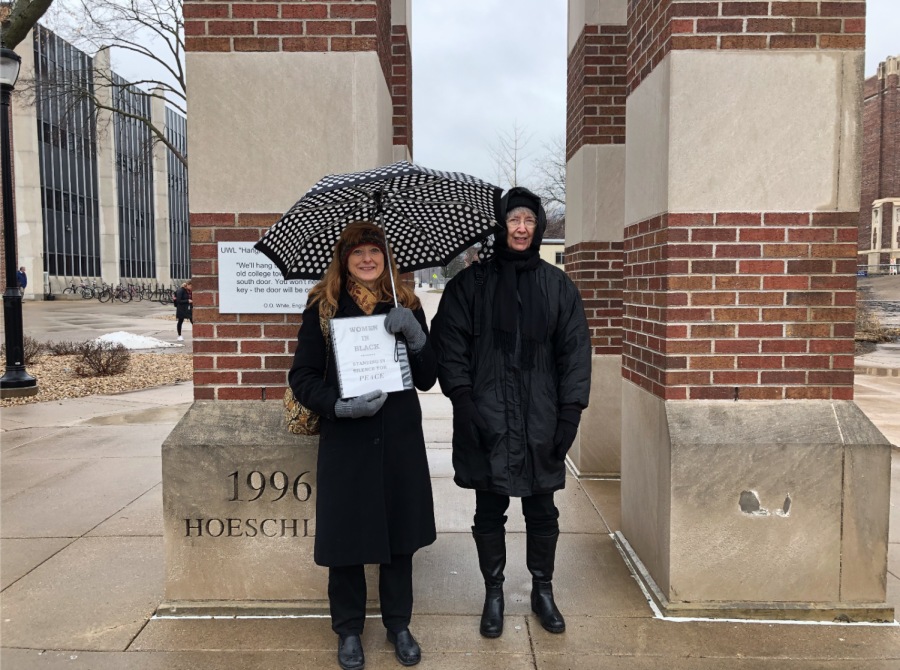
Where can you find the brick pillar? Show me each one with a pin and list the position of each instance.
(280, 94)
(401, 79)
(740, 442)
(595, 201)
(253, 163)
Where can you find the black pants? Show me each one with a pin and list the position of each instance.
(541, 515)
(347, 596)
(181, 320)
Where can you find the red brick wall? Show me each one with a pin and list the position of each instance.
(597, 71)
(401, 87)
(881, 155)
(358, 25)
(659, 26)
(596, 269)
(236, 356)
(764, 302)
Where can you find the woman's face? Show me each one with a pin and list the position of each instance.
(366, 263)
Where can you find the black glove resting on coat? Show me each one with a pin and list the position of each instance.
(566, 429)
(465, 411)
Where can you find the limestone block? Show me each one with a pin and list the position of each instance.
(755, 506)
(239, 496)
(265, 127)
(595, 194)
(597, 448)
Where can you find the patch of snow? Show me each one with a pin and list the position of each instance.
(132, 341)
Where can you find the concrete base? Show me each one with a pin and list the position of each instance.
(19, 392)
(757, 507)
(239, 500)
(765, 611)
(597, 450)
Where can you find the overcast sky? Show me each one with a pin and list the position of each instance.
(481, 65)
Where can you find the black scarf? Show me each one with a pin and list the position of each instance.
(518, 279)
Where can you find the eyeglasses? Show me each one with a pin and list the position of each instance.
(529, 222)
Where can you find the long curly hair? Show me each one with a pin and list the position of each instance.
(328, 291)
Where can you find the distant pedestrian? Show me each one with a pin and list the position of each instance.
(184, 306)
(23, 280)
(514, 357)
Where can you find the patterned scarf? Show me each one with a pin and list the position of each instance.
(366, 299)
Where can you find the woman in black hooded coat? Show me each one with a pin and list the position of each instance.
(514, 356)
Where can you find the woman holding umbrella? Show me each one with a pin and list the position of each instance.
(374, 503)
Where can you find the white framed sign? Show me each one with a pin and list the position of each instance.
(249, 283)
(368, 357)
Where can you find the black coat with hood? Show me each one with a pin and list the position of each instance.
(373, 486)
(183, 307)
(515, 456)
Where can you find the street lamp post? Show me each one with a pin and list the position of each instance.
(16, 382)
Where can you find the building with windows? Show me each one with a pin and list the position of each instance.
(97, 200)
(879, 217)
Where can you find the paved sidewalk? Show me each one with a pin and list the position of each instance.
(82, 568)
(87, 319)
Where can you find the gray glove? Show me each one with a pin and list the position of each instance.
(402, 320)
(367, 404)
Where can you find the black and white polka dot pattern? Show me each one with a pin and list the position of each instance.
(429, 217)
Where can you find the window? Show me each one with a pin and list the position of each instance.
(560, 258)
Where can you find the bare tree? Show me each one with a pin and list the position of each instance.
(18, 17)
(508, 153)
(551, 171)
(153, 30)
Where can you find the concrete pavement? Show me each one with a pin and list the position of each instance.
(82, 568)
(87, 319)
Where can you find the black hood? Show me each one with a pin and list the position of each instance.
(520, 196)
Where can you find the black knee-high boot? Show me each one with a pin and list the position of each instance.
(492, 560)
(540, 558)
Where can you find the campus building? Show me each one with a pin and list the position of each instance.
(96, 199)
(879, 215)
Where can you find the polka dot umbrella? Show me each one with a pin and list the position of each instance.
(429, 218)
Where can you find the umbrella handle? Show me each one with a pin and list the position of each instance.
(387, 248)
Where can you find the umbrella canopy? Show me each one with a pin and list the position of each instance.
(429, 217)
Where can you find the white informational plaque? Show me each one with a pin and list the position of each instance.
(368, 357)
(249, 283)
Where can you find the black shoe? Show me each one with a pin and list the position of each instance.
(406, 649)
(492, 561)
(540, 557)
(350, 653)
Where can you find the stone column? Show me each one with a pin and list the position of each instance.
(280, 95)
(161, 193)
(595, 214)
(107, 187)
(752, 485)
(27, 178)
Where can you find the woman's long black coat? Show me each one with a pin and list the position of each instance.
(183, 308)
(516, 455)
(374, 488)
